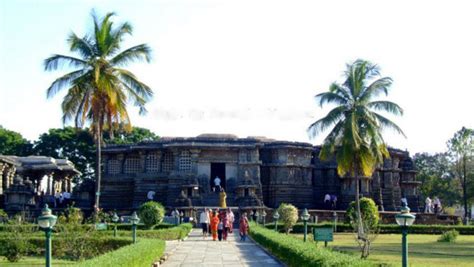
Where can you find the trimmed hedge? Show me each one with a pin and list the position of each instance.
(295, 252)
(93, 246)
(174, 233)
(143, 253)
(120, 226)
(386, 228)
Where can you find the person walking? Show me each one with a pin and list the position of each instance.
(204, 219)
(231, 218)
(225, 222)
(214, 225)
(220, 230)
(217, 184)
(437, 205)
(222, 199)
(243, 227)
(327, 201)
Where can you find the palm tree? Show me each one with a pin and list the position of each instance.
(99, 88)
(355, 138)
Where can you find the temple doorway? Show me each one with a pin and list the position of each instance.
(217, 170)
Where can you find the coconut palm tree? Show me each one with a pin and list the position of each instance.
(99, 88)
(355, 138)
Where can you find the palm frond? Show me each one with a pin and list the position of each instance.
(81, 45)
(329, 97)
(139, 88)
(62, 82)
(386, 123)
(132, 54)
(332, 118)
(377, 87)
(386, 106)
(55, 61)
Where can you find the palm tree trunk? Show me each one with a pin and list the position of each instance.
(98, 172)
(360, 229)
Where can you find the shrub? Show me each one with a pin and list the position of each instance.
(143, 253)
(151, 213)
(368, 210)
(295, 252)
(15, 244)
(288, 215)
(3, 216)
(449, 236)
(450, 210)
(174, 233)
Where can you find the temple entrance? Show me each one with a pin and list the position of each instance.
(217, 170)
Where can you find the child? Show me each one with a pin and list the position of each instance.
(243, 227)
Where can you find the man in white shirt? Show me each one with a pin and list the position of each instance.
(327, 201)
(217, 184)
(150, 195)
(204, 220)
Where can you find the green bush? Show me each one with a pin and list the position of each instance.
(15, 244)
(151, 213)
(288, 215)
(369, 212)
(295, 252)
(143, 253)
(449, 236)
(128, 226)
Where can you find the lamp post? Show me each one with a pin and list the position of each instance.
(334, 215)
(276, 216)
(134, 219)
(251, 215)
(115, 219)
(46, 222)
(264, 215)
(405, 219)
(257, 215)
(305, 217)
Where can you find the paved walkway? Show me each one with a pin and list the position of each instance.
(196, 252)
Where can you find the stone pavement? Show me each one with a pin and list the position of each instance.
(196, 252)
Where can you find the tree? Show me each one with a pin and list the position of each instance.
(288, 215)
(435, 172)
(370, 217)
(99, 88)
(13, 143)
(461, 147)
(134, 136)
(355, 138)
(76, 145)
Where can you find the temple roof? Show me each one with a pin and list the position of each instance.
(208, 141)
(41, 163)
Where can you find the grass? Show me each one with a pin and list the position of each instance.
(424, 250)
(34, 261)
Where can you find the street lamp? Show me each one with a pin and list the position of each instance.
(334, 216)
(276, 216)
(264, 215)
(46, 222)
(134, 220)
(305, 217)
(251, 215)
(115, 219)
(257, 215)
(405, 219)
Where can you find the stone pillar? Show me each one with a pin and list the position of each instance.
(69, 185)
(49, 185)
(2, 166)
(142, 157)
(194, 159)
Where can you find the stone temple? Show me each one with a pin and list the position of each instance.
(255, 172)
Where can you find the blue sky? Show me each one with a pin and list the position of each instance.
(252, 67)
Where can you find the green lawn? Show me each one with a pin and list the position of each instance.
(34, 261)
(423, 250)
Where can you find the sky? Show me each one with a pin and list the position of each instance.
(252, 68)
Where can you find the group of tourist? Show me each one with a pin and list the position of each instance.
(219, 223)
(432, 206)
(58, 200)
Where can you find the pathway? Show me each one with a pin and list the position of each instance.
(196, 252)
